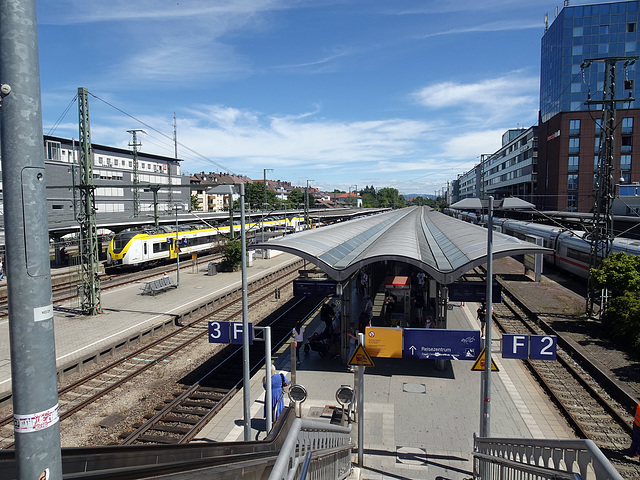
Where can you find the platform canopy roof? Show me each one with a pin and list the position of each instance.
(444, 247)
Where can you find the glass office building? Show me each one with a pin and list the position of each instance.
(580, 33)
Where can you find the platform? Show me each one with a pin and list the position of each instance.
(128, 315)
(419, 421)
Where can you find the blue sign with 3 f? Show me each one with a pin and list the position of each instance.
(228, 332)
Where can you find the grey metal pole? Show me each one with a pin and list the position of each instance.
(245, 324)
(268, 400)
(361, 408)
(31, 334)
(177, 249)
(485, 423)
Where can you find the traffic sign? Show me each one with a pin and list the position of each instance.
(478, 366)
(543, 347)
(425, 343)
(360, 357)
(515, 346)
(228, 332)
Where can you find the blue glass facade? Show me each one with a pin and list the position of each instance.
(587, 32)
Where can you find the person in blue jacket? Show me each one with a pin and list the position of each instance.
(278, 382)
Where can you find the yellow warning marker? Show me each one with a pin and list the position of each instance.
(360, 357)
(478, 365)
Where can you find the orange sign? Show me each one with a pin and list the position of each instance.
(384, 342)
(478, 365)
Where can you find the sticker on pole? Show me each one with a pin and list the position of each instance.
(360, 358)
(478, 365)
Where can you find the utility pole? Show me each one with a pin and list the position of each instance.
(136, 188)
(175, 155)
(32, 345)
(264, 200)
(602, 234)
(89, 255)
(306, 205)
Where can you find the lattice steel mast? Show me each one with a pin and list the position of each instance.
(136, 183)
(602, 234)
(89, 254)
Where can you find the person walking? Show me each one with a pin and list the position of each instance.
(1, 269)
(634, 450)
(482, 316)
(298, 336)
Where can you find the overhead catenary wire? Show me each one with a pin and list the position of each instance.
(219, 165)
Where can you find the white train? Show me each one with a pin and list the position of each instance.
(571, 250)
(138, 248)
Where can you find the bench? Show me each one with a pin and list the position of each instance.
(159, 285)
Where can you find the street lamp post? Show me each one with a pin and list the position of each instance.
(177, 249)
(306, 205)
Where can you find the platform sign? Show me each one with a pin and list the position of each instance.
(534, 347)
(515, 346)
(543, 347)
(383, 342)
(317, 288)
(473, 292)
(228, 332)
(426, 343)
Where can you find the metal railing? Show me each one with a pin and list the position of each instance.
(329, 447)
(522, 459)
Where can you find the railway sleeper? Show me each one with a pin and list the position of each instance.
(158, 439)
(200, 412)
(177, 419)
(171, 429)
(190, 403)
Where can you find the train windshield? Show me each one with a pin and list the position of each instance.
(121, 239)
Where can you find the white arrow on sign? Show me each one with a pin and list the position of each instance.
(413, 349)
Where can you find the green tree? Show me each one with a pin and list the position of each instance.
(390, 197)
(619, 273)
(195, 204)
(232, 255)
(296, 198)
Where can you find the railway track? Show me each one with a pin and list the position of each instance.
(89, 389)
(592, 409)
(180, 419)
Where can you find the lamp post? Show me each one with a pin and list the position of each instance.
(177, 248)
(306, 205)
(485, 385)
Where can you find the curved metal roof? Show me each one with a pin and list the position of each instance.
(444, 247)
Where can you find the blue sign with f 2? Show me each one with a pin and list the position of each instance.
(534, 347)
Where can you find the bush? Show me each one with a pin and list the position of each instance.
(232, 253)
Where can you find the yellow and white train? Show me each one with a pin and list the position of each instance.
(141, 248)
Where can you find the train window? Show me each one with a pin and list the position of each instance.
(583, 257)
(160, 247)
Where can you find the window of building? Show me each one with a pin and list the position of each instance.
(603, 48)
(141, 164)
(603, 30)
(575, 69)
(576, 87)
(575, 106)
(574, 162)
(574, 145)
(598, 126)
(115, 161)
(631, 27)
(572, 202)
(626, 177)
(572, 181)
(100, 160)
(596, 146)
(627, 144)
(53, 150)
(130, 164)
(576, 50)
(57, 207)
(574, 127)
(577, 31)
(596, 159)
(627, 126)
(630, 46)
(625, 162)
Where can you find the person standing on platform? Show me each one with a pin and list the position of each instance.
(634, 450)
(352, 333)
(1, 269)
(298, 336)
(482, 316)
(368, 308)
(278, 382)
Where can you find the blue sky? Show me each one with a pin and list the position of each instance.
(389, 93)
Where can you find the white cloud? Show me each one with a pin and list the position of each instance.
(493, 100)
